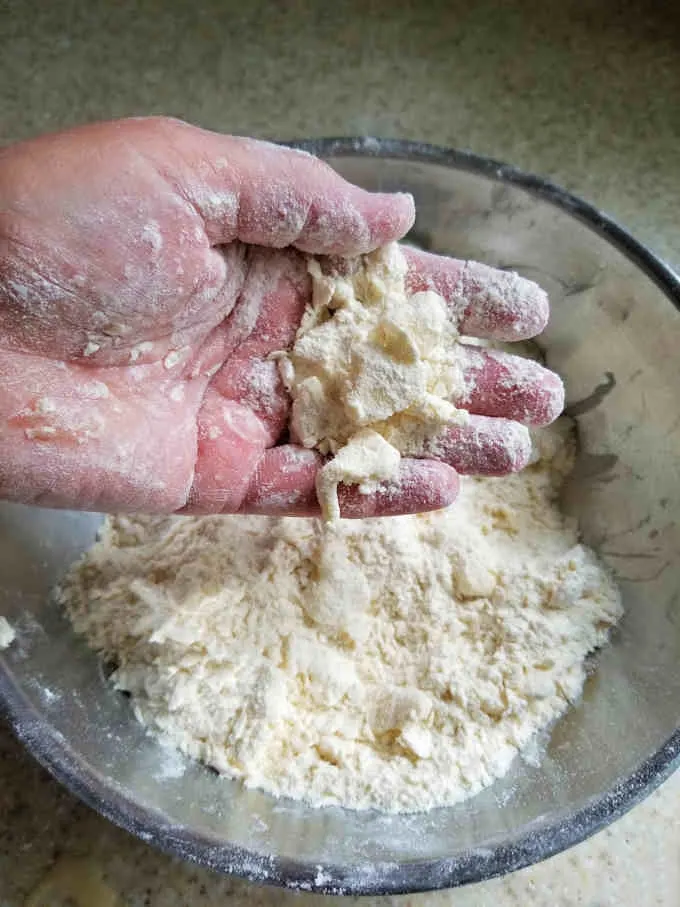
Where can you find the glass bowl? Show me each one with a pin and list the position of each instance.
(614, 337)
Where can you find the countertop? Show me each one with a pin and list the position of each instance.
(580, 91)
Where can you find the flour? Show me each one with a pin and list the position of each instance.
(397, 663)
(370, 359)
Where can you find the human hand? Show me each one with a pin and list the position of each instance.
(147, 271)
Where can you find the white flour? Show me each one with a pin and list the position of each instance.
(398, 663)
(371, 368)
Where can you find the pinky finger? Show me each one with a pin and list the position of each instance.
(420, 486)
(483, 446)
(284, 484)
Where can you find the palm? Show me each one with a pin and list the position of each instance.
(147, 276)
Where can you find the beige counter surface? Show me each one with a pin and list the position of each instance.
(581, 91)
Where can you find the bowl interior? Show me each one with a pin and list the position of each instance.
(613, 337)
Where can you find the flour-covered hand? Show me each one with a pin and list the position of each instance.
(149, 269)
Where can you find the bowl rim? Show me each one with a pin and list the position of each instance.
(545, 838)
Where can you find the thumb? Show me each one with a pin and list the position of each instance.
(269, 195)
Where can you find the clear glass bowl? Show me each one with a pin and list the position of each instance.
(614, 337)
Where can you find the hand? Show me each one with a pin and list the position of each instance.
(148, 268)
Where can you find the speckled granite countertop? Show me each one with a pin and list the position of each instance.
(583, 92)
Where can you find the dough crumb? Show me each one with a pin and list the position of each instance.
(365, 460)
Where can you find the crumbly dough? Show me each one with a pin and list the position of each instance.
(397, 663)
(369, 360)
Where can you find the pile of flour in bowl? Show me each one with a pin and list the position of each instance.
(397, 663)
